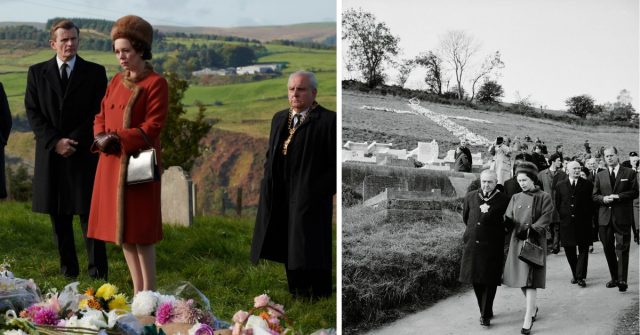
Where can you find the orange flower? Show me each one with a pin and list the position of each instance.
(90, 292)
(265, 316)
(93, 303)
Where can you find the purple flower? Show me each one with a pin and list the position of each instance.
(45, 316)
(204, 329)
(164, 314)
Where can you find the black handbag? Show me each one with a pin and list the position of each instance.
(531, 253)
(143, 165)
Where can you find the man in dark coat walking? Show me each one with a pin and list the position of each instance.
(63, 96)
(574, 206)
(614, 190)
(5, 129)
(483, 240)
(293, 224)
(462, 156)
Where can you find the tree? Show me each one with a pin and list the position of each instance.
(370, 44)
(457, 48)
(490, 92)
(622, 110)
(180, 137)
(405, 67)
(491, 63)
(433, 64)
(581, 105)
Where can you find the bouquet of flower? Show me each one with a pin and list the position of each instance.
(269, 319)
(16, 293)
(106, 298)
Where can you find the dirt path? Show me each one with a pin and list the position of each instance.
(564, 308)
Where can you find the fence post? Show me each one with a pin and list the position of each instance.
(239, 202)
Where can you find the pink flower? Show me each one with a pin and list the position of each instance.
(261, 301)
(240, 317)
(45, 316)
(237, 329)
(164, 314)
(277, 310)
(204, 330)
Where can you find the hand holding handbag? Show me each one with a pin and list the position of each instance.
(143, 165)
(531, 253)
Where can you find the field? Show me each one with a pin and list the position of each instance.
(404, 130)
(213, 255)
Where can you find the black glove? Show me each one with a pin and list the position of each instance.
(522, 235)
(107, 143)
(635, 236)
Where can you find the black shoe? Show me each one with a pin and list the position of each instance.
(533, 318)
(612, 283)
(574, 281)
(490, 316)
(582, 283)
(591, 250)
(622, 286)
(525, 330)
(555, 251)
(485, 322)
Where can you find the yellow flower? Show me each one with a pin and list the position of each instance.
(106, 291)
(83, 304)
(119, 302)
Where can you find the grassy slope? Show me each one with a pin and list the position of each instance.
(366, 125)
(213, 255)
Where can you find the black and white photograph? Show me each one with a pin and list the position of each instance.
(489, 167)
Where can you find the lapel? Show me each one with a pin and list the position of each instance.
(604, 180)
(311, 117)
(281, 125)
(618, 177)
(52, 75)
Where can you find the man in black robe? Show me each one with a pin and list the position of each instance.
(5, 129)
(293, 224)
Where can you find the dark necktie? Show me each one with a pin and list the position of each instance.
(612, 178)
(64, 76)
(296, 119)
(573, 185)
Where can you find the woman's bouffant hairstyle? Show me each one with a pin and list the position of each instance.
(138, 31)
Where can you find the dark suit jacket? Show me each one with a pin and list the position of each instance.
(300, 237)
(620, 211)
(63, 185)
(5, 129)
(575, 210)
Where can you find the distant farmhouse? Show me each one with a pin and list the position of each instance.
(241, 70)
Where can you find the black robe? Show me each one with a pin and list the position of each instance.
(63, 185)
(483, 239)
(5, 129)
(575, 208)
(293, 224)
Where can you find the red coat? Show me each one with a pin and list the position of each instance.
(123, 213)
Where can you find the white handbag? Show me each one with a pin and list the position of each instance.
(143, 165)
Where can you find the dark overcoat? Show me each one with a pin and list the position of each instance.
(620, 211)
(463, 160)
(483, 239)
(5, 129)
(300, 238)
(63, 185)
(575, 209)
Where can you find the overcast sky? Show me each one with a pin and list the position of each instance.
(551, 49)
(211, 13)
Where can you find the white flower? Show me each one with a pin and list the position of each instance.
(71, 322)
(93, 319)
(256, 322)
(14, 332)
(144, 303)
(165, 298)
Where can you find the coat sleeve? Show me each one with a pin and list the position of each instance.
(597, 193)
(45, 132)
(465, 210)
(508, 216)
(5, 117)
(546, 209)
(156, 109)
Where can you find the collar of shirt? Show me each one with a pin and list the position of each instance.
(71, 63)
(303, 114)
(615, 169)
(572, 181)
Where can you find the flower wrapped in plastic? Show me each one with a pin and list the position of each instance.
(16, 293)
(270, 319)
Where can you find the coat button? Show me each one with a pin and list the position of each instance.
(573, 216)
(478, 223)
(571, 205)
(477, 242)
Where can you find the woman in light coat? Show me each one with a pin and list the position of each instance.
(529, 213)
(501, 153)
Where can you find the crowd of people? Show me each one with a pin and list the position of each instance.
(549, 202)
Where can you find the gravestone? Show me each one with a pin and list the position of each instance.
(357, 156)
(356, 146)
(399, 153)
(177, 197)
(477, 158)
(428, 152)
(450, 158)
(379, 148)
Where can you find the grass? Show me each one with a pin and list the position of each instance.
(213, 255)
(392, 268)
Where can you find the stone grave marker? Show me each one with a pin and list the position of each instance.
(177, 197)
(373, 185)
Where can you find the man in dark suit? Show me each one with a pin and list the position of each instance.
(538, 158)
(615, 189)
(462, 156)
(573, 204)
(5, 129)
(63, 95)
(293, 224)
(482, 256)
